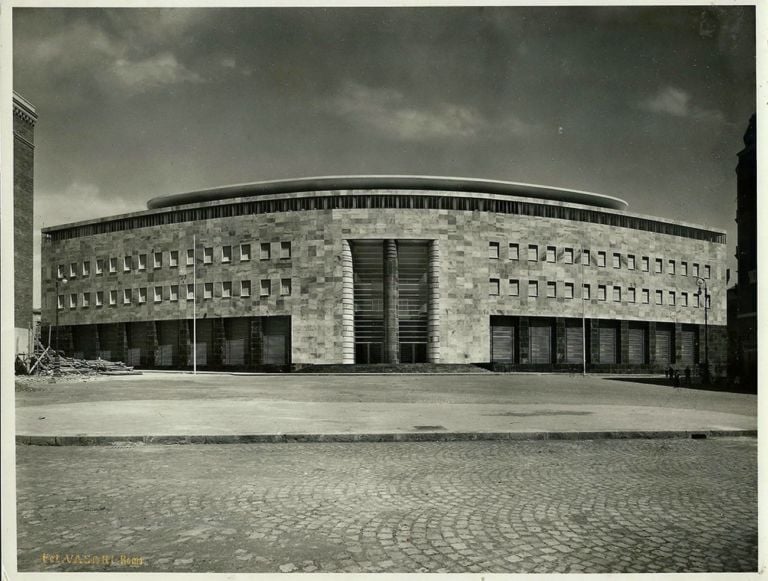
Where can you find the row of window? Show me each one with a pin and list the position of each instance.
(170, 258)
(171, 293)
(439, 201)
(618, 294)
(568, 257)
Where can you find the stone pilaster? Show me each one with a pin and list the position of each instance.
(391, 294)
(347, 305)
(433, 315)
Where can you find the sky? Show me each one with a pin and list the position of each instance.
(648, 104)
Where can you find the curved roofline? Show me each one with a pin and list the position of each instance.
(388, 182)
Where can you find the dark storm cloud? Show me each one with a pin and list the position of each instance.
(648, 104)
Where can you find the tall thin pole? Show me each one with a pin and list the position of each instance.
(194, 304)
(583, 318)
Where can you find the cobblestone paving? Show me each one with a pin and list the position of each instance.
(521, 507)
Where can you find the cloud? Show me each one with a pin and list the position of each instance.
(155, 71)
(678, 103)
(391, 113)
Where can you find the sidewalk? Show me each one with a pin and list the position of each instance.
(163, 408)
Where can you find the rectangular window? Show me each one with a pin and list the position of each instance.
(226, 254)
(190, 256)
(601, 258)
(142, 262)
(245, 252)
(226, 290)
(142, 295)
(265, 288)
(672, 298)
(264, 251)
(568, 290)
(174, 293)
(190, 292)
(127, 264)
(568, 255)
(616, 260)
(670, 267)
(158, 294)
(173, 258)
(683, 299)
(645, 295)
(631, 295)
(99, 265)
(709, 301)
(60, 302)
(514, 251)
(73, 270)
(617, 294)
(73, 300)
(514, 287)
(695, 269)
(207, 290)
(631, 261)
(86, 268)
(493, 287)
(585, 257)
(533, 288)
(644, 264)
(285, 287)
(658, 266)
(285, 250)
(551, 289)
(127, 296)
(86, 300)
(601, 292)
(157, 260)
(697, 299)
(245, 288)
(707, 271)
(551, 253)
(99, 298)
(586, 293)
(208, 255)
(60, 271)
(533, 252)
(493, 250)
(684, 268)
(112, 298)
(659, 297)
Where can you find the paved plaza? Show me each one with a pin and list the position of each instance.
(522, 507)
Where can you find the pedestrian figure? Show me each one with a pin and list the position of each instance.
(677, 378)
(688, 376)
(666, 372)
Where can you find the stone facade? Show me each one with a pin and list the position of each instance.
(464, 276)
(24, 119)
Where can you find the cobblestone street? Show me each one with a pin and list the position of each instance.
(589, 506)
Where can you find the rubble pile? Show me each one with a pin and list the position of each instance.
(45, 360)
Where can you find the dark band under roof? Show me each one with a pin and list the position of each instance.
(388, 182)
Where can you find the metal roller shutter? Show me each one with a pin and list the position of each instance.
(636, 344)
(687, 348)
(608, 345)
(540, 342)
(574, 344)
(663, 346)
(502, 343)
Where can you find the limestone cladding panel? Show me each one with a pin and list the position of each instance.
(316, 273)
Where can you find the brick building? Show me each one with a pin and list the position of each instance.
(24, 119)
(366, 269)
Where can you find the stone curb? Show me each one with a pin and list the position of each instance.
(385, 437)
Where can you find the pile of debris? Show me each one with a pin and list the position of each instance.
(48, 361)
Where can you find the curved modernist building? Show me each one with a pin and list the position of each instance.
(368, 269)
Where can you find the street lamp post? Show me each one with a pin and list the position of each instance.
(57, 359)
(700, 282)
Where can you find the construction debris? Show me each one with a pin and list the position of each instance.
(47, 361)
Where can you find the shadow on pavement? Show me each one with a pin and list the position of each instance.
(718, 385)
